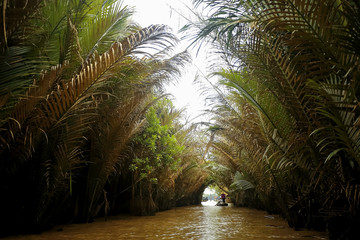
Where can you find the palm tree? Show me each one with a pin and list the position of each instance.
(127, 120)
(296, 63)
(66, 65)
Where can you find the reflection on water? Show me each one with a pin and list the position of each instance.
(196, 222)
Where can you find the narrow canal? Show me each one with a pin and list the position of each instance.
(196, 222)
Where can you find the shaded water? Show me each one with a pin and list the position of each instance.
(196, 222)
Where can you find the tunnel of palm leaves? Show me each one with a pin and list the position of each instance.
(87, 130)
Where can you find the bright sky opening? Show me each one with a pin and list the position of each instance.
(171, 12)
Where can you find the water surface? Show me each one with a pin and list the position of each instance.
(205, 221)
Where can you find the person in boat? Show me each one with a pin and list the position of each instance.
(223, 196)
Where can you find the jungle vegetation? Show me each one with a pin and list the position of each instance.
(285, 130)
(86, 129)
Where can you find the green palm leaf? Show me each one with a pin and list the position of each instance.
(240, 183)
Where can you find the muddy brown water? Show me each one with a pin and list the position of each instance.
(205, 221)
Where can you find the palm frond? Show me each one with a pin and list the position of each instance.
(14, 13)
(240, 183)
(69, 94)
(110, 22)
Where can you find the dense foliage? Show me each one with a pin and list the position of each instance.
(86, 130)
(155, 161)
(82, 129)
(286, 118)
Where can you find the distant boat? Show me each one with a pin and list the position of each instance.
(221, 203)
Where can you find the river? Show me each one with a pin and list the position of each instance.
(205, 221)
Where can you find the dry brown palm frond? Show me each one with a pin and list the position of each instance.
(107, 149)
(224, 150)
(36, 93)
(27, 106)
